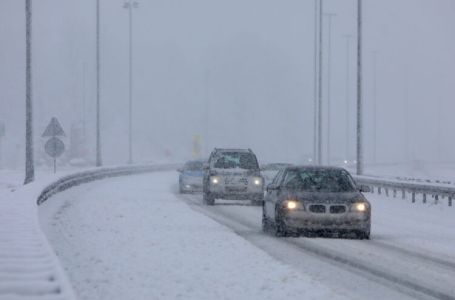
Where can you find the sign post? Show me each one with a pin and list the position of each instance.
(54, 147)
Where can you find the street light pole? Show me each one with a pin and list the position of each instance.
(374, 105)
(348, 38)
(359, 90)
(329, 75)
(321, 7)
(98, 134)
(130, 5)
(315, 106)
(29, 164)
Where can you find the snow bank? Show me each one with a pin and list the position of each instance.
(29, 267)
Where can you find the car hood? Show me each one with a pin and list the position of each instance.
(324, 197)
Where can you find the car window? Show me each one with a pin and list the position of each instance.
(277, 179)
(319, 181)
(232, 160)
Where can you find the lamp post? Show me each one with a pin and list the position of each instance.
(375, 140)
(329, 84)
(130, 5)
(29, 164)
(98, 134)
(315, 104)
(319, 106)
(348, 38)
(359, 90)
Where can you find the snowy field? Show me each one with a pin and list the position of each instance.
(136, 238)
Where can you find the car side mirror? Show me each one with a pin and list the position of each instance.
(365, 189)
(272, 187)
(205, 166)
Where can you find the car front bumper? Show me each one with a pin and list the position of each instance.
(326, 221)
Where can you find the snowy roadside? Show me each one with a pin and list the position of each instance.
(28, 266)
(132, 238)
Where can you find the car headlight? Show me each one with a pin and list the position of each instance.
(359, 207)
(215, 179)
(292, 204)
(257, 181)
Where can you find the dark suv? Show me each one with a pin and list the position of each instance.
(232, 174)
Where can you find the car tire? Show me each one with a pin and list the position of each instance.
(265, 221)
(208, 199)
(280, 228)
(362, 235)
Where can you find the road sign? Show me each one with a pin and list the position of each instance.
(54, 147)
(54, 129)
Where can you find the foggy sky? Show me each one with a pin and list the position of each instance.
(239, 73)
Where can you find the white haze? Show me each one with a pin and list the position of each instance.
(249, 63)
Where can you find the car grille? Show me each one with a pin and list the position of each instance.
(244, 181)
(235, 189)
(337, 209)
(317, 208)
(322, 209)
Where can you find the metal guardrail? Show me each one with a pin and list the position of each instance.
(436, 191)
(92, 175)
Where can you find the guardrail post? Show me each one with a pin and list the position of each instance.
(394, 193)
(413, 197)
(379, 190)
(436, 199)
(386, 192)
(424, 198)
(450, 200)
(403, 194)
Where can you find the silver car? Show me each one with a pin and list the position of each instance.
(232, 174)
(311, 199)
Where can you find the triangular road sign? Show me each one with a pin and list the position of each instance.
(53, 129)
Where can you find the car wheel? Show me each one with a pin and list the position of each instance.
(363, 235)
(280, 228)
(208, 199)
(265, 221)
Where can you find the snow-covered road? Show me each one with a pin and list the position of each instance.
(136, 238)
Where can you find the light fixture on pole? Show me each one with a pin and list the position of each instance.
(130, 5)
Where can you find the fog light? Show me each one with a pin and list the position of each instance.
(215, 180)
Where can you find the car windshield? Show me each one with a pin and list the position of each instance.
(232, 160)
(193, 166)
(319, 181)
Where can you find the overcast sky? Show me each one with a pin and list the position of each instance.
(239, 73)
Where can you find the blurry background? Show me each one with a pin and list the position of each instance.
(236, 73)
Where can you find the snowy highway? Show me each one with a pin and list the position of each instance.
(136, 238)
